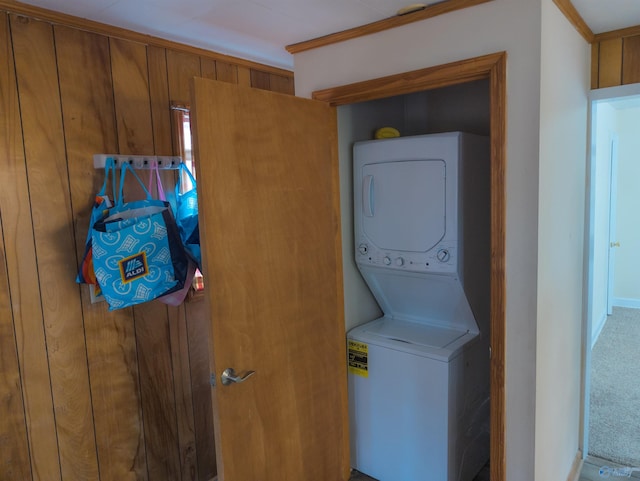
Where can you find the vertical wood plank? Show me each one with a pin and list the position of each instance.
(260, 80)
(54, 238)
(14, 445)
(131, 87)
(595, 55)
(631, 60)
(158, 396)
(89, 118)
(161, 118)
(226, 72)
(198, 332)
(21, 272)
(181, 67)
(183, 394)
(55, 246)
(131, 95)
(208, 68)
(160, 104)
(610, 63)
(244, 75)
(282, 84)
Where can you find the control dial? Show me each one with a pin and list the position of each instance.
(386, 260)
(443, 255)
(399, 261)
(363, 249)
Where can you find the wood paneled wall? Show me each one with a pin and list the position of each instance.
(615, 58)
(88, 394)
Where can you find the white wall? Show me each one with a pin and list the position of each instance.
(626, 288)
(605, 125)
(564, 90)
(513, 26)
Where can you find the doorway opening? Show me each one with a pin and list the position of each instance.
(486, 74)
(610, 422)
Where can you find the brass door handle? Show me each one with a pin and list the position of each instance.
(615, 244)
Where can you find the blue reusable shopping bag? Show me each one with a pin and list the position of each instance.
(187, 215)
(137, 251)
(177, 297)
(102, 203)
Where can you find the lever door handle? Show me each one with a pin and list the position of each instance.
(229, 376)
(615, 244)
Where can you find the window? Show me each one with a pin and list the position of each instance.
(182, 130)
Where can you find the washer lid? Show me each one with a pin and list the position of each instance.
(422, 339)
(415, 333)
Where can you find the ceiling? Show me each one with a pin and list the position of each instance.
(259, 30)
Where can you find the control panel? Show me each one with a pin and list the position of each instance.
(440, 259)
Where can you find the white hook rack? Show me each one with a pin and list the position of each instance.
(165, 162)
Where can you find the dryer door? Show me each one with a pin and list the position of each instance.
(403, 204)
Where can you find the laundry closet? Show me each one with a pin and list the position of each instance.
(417, 315)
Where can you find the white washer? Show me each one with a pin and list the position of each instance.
(418, 377)
(417, 410)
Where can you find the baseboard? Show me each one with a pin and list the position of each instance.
(625, 302)
(598, 329)
(576, 467)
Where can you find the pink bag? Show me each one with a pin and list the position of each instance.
(175, 298)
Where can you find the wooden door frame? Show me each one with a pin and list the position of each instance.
(493, 67)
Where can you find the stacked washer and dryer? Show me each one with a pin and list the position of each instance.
(419, 375)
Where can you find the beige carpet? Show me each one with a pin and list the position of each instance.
(614, 418)
(483, 475)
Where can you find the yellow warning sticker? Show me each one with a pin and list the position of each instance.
(358, 358)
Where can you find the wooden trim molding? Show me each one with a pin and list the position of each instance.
(494, 68)
(385, 24)
(498, 119)
(614, 34)
(54, 17)
(409, 82)
(569, 11)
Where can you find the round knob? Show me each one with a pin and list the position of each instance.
(399, 261)
(386, 260)
(363, 249)
(443, 255)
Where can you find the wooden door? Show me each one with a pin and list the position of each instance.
(267, 172)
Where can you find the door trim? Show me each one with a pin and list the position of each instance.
(493, 67)
(613, 194)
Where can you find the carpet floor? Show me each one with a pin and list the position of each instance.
(614, 420)
(593, 467)
(483, 475)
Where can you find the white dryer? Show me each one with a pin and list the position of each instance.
(419, 376)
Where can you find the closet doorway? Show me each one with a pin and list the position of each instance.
(493, 68)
